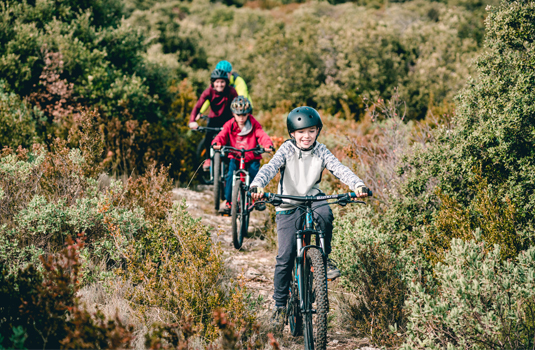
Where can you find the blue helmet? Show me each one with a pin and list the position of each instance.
(224, 65)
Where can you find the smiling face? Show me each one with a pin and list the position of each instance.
(219, 85)
(304, 138)
(240, 119)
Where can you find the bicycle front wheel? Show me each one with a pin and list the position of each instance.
(316, 301)
(239, 214)
(202, 155)
(217, 179)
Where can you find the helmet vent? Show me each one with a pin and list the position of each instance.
(310, 116)
(299, 119)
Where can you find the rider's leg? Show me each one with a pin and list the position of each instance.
(286, 227)
(324, 216)
(253, 168)
(232, 167)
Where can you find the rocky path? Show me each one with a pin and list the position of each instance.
(254, 263)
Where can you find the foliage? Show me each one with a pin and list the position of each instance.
(178, 255)
(494, 221)
(373, 272)
(67, 57)
(327, 56)
(482, 302)
(490, 144)
(40, 308)
(17, 120)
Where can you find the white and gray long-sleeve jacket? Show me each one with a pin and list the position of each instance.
(301, 171)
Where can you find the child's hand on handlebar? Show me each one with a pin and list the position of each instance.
(361, 191)
(216, 146)
(257, 192)
(193, 125)
(199, 116)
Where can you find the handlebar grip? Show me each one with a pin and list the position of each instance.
(354, 195)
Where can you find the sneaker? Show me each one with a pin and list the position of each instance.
(225, 209)
(260, 206)
(206, 165)
(332, 270)
(278, 319)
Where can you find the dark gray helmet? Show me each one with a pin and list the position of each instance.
(218, 74)
(241, 105)
(303, 117)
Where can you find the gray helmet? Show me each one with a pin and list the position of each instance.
(303, 117)
(219, 74)
(241, 105)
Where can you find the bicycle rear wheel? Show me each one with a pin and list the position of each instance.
(239, 214)
(316, 299)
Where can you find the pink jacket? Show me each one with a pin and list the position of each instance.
(229, 136)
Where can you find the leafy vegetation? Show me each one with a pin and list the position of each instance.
(459, 206)
(442, 259)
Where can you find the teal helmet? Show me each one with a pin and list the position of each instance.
(224, 65)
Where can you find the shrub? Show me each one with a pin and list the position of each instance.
(17, 120)
(482, 302)
(40, 309)
(175, 266)
(373, 272)
(495, 220)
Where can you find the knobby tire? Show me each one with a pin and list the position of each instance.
(217, 179)
(239, 214)
(315, 327)
(204, 176)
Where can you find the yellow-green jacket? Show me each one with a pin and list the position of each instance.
(237, 83)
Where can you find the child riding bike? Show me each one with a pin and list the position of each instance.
(220, 94)
(244, 131)
(235, 80)
(301, 161)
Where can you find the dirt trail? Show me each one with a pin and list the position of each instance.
(255, 263)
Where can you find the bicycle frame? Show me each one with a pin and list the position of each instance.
(242, 174)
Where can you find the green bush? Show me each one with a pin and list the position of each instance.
(491, 142)
(40, 308)
(17, 120)
(373, 271)
(175, 266)
(481, 303)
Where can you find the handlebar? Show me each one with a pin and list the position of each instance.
(206, 128)
(342, 199)
(257, 150)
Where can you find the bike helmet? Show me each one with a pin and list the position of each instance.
(224, 65)
(241, 105)
(219, 74)
(303, 117)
